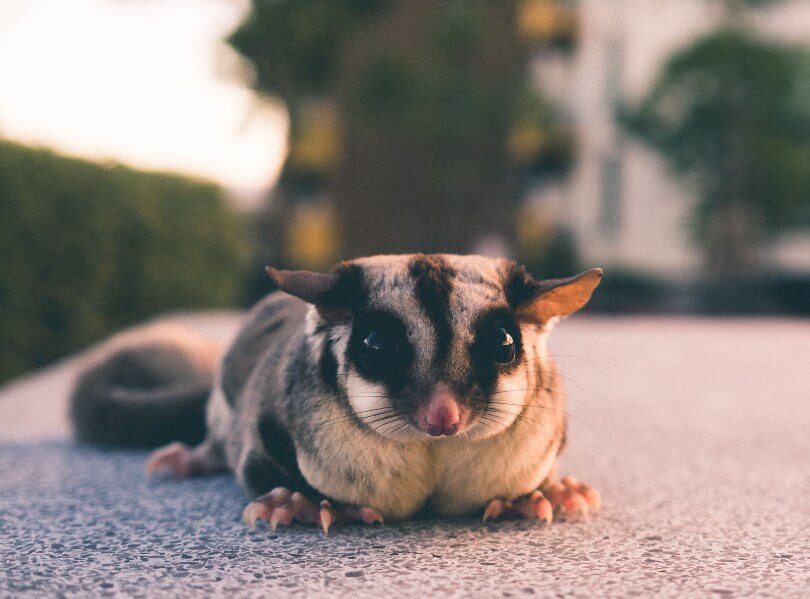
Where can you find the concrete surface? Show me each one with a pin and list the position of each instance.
(696, 432)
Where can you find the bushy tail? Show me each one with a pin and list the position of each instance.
(145, 394)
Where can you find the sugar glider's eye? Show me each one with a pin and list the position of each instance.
(374, 341)
(504, 346)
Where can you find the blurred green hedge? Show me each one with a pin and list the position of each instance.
(86, 249)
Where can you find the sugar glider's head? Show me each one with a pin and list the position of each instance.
(425, 346)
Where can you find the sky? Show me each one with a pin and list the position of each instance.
(145, 82)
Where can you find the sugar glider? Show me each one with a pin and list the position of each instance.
(389, 386)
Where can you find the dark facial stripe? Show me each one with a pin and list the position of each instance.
(390, 364)
(433, 279)
(485, 368)
(328, 366)
(518, 285)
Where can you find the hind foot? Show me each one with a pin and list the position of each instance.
(280, 506)
(181, 461)
(568, 497)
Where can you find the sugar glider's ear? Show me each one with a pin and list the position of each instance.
(540, 301)
(332, 293)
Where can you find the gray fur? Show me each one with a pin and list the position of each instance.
(142, 396)
(288, 407)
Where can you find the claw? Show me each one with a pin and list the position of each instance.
(568, 497)
(370, 516)
(263, 508)
(254, 512)
(545, 511)
(326, 516)
(592, 496)
(494, 510)
(280, 507)
(281, 515)
(536, 507)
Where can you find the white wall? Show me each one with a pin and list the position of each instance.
(627, 42)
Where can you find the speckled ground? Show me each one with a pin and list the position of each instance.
(695, 431)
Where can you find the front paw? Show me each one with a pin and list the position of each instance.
(568, 497)
(280, 506)
(571, 497)
(533, 506)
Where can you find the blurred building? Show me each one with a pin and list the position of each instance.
(623, 206)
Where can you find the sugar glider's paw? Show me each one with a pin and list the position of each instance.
(280, 506)
(533, 506)
(173, 459)
(568, 497)
(181, 461)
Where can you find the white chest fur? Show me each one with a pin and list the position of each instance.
(508, 465)
(455, 475)
(395, 479)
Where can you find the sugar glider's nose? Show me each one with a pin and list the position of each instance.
(442, 414)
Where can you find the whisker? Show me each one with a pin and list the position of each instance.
(569, 414)
(396, 416)
(346, 417)
(549, 389)
(528, 405)
(486, 421)
(522, 416)
(494, 418)
(544, 425)
(516, 416)
(389, 413)
(397, 429)
(346, 436)
(561, 356)
(556, 372)
(394, 426)
(384, 420)
(561, 392)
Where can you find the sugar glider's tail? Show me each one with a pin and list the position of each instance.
(145, 392)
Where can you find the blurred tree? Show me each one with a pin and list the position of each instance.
(731, 111)
(86, 249)
(415, 117)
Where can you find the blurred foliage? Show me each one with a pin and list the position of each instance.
(310, 236)
(538, 144)
(317, 143)
(548, 22)
(558, 258)
(86, 249)
(414, 121)
(731, 111)
(547, 250)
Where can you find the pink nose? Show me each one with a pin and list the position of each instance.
(442, 414)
